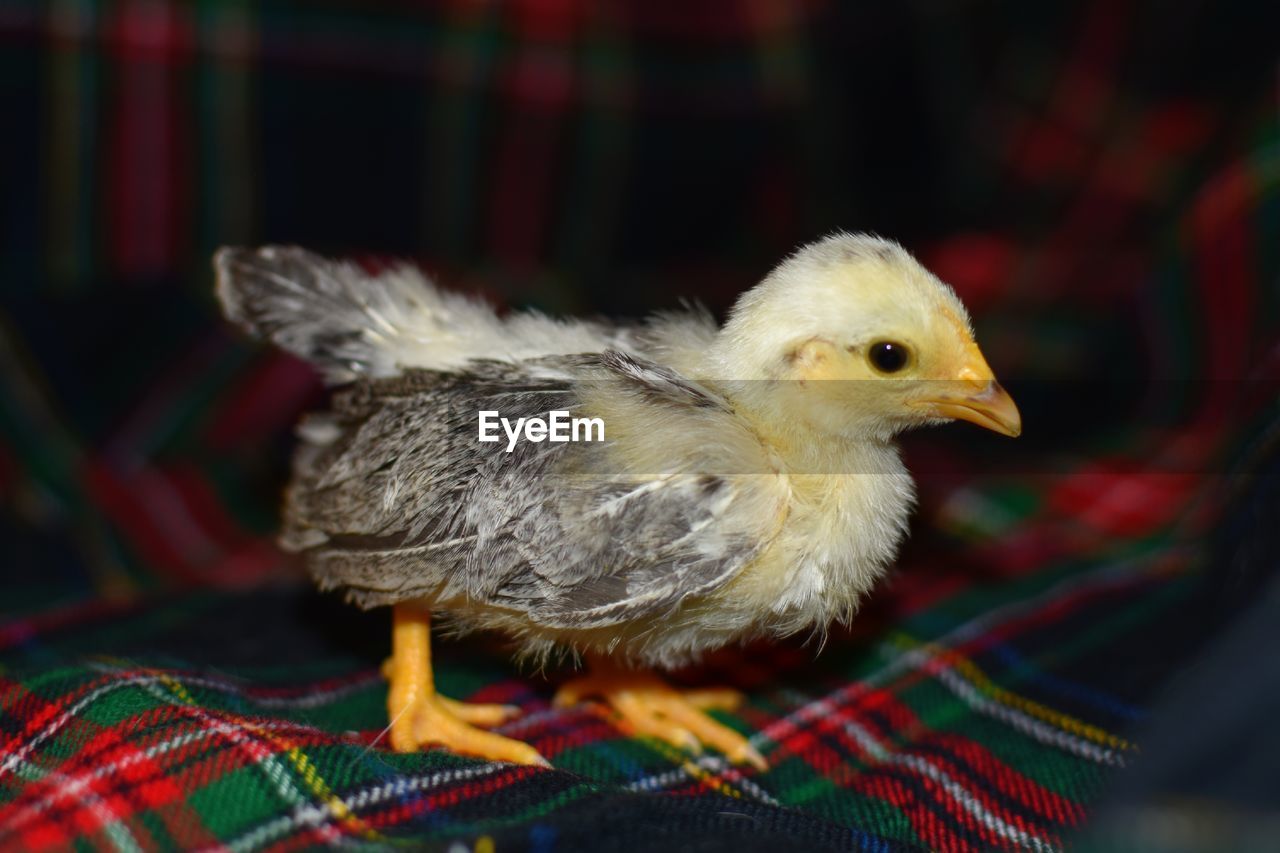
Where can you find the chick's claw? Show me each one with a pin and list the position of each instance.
(652, 707)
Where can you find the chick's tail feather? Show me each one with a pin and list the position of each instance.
(351, 323)
(345, 321)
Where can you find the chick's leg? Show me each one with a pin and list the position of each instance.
(420, 716)
(653, 707)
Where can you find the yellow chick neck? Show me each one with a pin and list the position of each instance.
(799, 440)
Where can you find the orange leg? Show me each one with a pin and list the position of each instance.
(420, 716)
(655, 708)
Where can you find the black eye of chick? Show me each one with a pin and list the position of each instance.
(888, 356)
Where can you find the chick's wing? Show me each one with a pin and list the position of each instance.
(394, 496)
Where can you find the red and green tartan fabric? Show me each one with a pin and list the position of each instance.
(1098, 180)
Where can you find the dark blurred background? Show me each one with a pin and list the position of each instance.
(1098, 180)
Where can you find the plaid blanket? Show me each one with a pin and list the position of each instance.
(1099, 181)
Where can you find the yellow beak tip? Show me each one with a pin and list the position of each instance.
(992, 408)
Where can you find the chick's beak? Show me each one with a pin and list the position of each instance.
(975, 396)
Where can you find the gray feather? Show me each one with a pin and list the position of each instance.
(402, 501)
(353, 324)
(316, 309)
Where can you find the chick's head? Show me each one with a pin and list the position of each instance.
(852, 336)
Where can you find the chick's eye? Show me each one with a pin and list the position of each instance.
(888, 356)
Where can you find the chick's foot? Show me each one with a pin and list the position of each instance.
(432, 719)
(653, 707)
(421, 717)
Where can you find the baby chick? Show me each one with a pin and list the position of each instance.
(747, 484)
